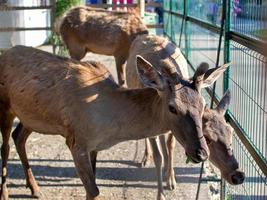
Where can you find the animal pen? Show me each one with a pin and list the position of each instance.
(192, 26)
(196, 30)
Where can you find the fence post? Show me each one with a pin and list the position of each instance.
(227, 59)
(141, 5)
(109, 2)
(186, 31)
(227, 5)
(172, 20)
(52, 21)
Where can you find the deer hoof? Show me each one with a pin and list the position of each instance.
(171, 183)
(161, 197)
(94, 198)
(35, 190)
(36, 195)
(4, 193)
(146, 161)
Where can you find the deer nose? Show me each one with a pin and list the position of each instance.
(238, 178)
(201, 155)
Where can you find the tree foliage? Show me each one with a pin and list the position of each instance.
(63, 5)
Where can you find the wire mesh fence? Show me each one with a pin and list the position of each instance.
(244, 42)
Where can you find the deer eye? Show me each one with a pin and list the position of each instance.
(154, 82)
(172, 110)
(169, 85)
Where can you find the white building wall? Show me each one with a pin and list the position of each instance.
(23, 18)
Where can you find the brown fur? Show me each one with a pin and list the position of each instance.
(86, 29)
(171, 64)
(81, 102)
(218, 134)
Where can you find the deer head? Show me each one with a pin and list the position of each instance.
(218, 134)
(182, 103)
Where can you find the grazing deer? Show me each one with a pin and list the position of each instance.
(86, 29)
(218, 134)
(81, 102)
(169, 61)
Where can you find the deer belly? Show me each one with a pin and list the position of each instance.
(40, 116)
(39, 123)
(102, 48)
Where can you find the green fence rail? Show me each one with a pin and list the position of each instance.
(194, 25)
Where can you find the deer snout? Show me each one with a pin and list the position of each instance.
(202, 152)
(201, 155)
(198, 155)
(237, 177)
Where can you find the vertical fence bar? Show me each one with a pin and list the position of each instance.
(227, 58)
(141, 5)
(170, 22)
(186, 31)
(52, 21)
(182, 26)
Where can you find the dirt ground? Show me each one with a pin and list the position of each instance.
(119, 176)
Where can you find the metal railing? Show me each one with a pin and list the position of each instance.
(131, 6)
(45, 5)
(194, 25)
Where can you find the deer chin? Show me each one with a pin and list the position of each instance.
(235, 177)
(192, 159)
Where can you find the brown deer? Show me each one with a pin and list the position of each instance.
(86, 29)
(81, 102)
(168, 59)
(218, 134)
(170, 62)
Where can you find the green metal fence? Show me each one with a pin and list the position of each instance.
(194, 25)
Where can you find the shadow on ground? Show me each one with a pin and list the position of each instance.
(134, 173)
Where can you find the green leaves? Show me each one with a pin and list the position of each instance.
(63, 5)
(188, 159)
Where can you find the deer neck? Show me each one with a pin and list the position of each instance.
(142, 114)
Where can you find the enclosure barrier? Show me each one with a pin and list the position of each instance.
(16, 26)
(194, 25)
(132, 6)
(13, 27)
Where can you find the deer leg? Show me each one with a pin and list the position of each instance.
(162, 139)
(157, 155)
(148, 154)
(171, 182)
(120, 65)
(6, 126)
(84, 168)
(93, 156)
(20, 136)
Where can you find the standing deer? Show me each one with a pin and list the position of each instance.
(86, 29)
(81, 102)
(218, 134)
(169, 61)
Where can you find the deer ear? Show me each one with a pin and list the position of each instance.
(224, 103)
(205, 77)
(149, 76)
(213, 74)
(199, 75)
